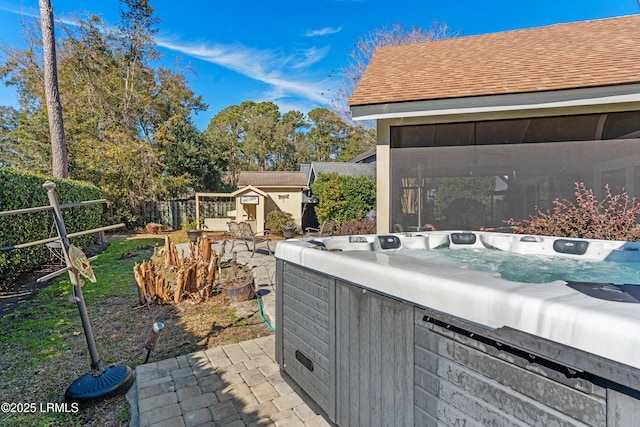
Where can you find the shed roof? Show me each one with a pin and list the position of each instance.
(586, 54)
(272, 179)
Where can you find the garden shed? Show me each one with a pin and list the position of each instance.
(258, 194)
(476, 130)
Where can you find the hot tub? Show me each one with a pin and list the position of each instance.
(376, 336)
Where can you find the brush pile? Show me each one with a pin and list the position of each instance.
(169, 277)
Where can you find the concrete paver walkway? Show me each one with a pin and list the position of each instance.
(233, 385)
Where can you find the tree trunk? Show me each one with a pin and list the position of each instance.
(59, 161)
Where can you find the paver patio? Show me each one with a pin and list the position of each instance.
(230, 385)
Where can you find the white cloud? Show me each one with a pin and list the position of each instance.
(288, 77)
(282, 73)
(322, 32)
(310, 56)
(35, 13)
(20, 12)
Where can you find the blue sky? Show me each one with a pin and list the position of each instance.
(284, 51)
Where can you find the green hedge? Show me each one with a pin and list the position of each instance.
(20, 190)
(343, 198)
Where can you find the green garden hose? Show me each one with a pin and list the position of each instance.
(266, 322)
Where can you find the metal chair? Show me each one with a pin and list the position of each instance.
(327, 228)
(242, 232)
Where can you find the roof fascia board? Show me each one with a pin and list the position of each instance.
(247, 189)
(569, 98)
(213, 194)
(291, 187)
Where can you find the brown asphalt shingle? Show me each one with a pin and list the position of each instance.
(565, 56)
(272, 179)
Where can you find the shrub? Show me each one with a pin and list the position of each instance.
(613, 218)
(359, 226)
(19, 190)
(277, 220)
(343, 198)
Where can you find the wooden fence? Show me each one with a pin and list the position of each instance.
(172, 213)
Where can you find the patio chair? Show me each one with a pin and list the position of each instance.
(242, 232)
(327, 228)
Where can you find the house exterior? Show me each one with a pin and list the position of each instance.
(476, 130)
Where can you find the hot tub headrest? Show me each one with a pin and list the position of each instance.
(574, 247)
(389, 242)
(463, 238)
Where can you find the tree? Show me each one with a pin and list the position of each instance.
(332, 139)
(128, 125)
(290, 139)
(8, 140)
(29, 148)
(60, 163)
(187, 157)
(261, 121)
(254, 136)
(225, 135)
(327, 134)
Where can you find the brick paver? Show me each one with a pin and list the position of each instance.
(161, 414)
(235, 385)
(264, 392)
(197, 417)
(156, 402)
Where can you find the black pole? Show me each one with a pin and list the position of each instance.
(96, 363)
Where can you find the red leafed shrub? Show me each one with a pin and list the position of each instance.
(613, 218)
(360, 226)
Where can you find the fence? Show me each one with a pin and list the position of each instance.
(173, 213)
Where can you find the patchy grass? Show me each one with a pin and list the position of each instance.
(44, 349)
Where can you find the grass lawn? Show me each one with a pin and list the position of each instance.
(43, 348)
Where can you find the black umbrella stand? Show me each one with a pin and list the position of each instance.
(102, 381)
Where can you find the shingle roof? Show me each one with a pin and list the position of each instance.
(565, 56)
(272, 179)
(368, 156)
(343, 168)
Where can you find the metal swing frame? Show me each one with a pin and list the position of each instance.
(102, 381)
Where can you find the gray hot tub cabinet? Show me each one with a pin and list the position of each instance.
(368, 359)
